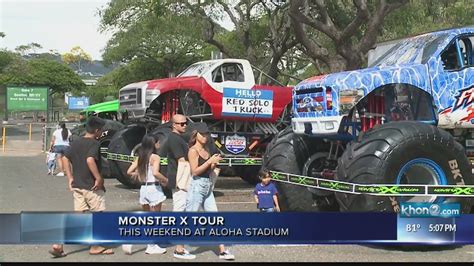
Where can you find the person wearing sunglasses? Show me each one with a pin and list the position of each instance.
(176, 149)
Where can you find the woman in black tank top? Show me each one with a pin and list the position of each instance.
(202, 163)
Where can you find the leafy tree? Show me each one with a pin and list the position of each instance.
(424, 16)
(76, 57)
(284, 38)
(6, 58)
(52, 74)
(178, 33)
(143, 33)
(339, 33)
(262, 30)
(28, 48)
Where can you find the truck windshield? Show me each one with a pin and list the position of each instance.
(416, 50)
(197, 69)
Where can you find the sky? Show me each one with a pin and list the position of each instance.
(54, 24)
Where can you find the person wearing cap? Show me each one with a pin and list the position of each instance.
(84, 179)
(200, 194)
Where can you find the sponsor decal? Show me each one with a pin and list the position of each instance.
(335, 185)
(456, 172)
(302, 180)
(235, 144)
(464, 99)
(305, 102)
(389, 189)
(278, 176)
(451, 190)
(395, 205)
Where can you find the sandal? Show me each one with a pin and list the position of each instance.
(57, 253)
(103, 251)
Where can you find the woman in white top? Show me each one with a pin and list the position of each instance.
(147, 168)
(59, 144)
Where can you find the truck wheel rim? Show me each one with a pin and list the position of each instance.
(314, 164)
(104, 144)
(424, 172)
(135, 150)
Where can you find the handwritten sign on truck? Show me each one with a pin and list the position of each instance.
(247, 103)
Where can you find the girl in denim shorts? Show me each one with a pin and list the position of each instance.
(147, 169)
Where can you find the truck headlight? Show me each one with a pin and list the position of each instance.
(151, 96)
(348, 99)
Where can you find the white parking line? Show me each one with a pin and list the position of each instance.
(236, 202)
(292, 245)
(233, 190)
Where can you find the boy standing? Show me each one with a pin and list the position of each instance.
(266, 194)
(85, 181)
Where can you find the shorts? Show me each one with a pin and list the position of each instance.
(88, 200)
(51, 164)
(60, 149)
(151, 195)
(179, 200)
(267, 209)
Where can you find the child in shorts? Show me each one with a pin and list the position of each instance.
(51, 161)
(266, 194)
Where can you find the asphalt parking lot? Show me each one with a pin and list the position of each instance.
(26, 187)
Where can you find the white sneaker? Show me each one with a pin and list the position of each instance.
(127, 249)
(60, 174)
(154, 249)
(185, 255)
(226, 255)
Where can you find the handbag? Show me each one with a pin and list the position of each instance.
(214, 175)
(183, 175)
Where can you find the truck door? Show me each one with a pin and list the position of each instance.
(230, 75)
(457, 77)
(236, 86)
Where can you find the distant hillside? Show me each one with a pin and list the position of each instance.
(94, 68)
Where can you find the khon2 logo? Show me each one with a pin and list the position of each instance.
(418, 209)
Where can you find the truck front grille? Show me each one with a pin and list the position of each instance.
(130, 97)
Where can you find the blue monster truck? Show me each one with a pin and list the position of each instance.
(402, 120)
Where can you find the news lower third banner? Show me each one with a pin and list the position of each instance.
(232, 228)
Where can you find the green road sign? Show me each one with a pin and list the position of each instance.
(27, 98)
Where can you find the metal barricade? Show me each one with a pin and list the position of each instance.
(21, 136)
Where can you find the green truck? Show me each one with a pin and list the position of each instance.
(109, 111)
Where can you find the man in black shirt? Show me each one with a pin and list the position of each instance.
(86, 183)
(177, 150)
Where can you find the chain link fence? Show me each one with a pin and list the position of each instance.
(28, 136)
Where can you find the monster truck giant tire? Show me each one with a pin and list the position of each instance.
(287, 153)
(382, 154)
(124, 142)
(248, 173)
(109, 130)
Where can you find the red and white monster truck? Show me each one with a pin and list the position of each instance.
(241, 115)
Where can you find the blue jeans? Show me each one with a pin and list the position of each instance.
(51, 164)
(200, 195)
(266, 210)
